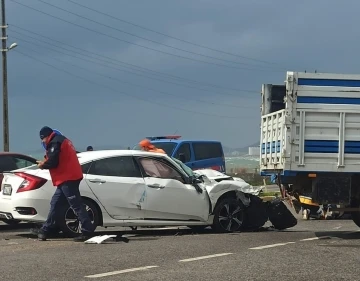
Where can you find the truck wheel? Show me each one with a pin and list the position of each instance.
(228, 215)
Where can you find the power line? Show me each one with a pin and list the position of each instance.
(136, 85)
(140, 37)
(149, 48)
(169, 36)
(123, 93)
(72, 55)
(129, 64)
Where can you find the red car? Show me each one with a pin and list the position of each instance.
(12, 161)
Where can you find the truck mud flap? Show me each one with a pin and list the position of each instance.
(256, 214)
(280, 215)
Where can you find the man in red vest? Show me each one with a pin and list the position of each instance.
(66, 174)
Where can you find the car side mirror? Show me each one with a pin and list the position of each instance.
(182, 157)
(197, 181)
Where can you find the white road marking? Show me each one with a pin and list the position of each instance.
(121, 271)
(206, 257)
(271, 246)
(315, 238)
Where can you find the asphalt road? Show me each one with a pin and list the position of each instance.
(313, 250)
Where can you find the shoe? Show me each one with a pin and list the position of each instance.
(42, 235)
(34, 231)
(83, 237)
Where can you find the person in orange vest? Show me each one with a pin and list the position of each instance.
(146, 145)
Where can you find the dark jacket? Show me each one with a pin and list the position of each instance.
(61, 160)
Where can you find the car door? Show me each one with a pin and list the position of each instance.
(168, 197)
(119, 186)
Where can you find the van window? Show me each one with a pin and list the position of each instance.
(184, 149)
(168, 147)
(206, 150)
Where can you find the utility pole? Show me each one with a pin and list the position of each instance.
(4, 79)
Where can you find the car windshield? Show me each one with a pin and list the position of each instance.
(183, 167)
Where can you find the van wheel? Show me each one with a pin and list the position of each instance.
(69, 223)
(228, 215)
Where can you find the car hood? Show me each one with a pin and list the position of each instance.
(213, 185)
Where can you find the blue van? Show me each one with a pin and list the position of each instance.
(194, 154)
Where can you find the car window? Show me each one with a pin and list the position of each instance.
(85, 167)
(185, 168)
(115, 167)
(158, 169)
(7, 163)
(184, 149)
(203, 150)
(23, 162)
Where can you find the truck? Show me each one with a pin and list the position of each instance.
(310, 138)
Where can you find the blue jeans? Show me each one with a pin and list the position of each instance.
(68, 191)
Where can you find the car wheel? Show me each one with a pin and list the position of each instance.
(11, 222)
(69, 223)
(228, 215)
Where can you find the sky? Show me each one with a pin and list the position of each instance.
(110, 80)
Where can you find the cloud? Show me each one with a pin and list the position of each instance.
(294, 35)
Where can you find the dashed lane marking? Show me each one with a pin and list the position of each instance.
(120, 271)
(206, 257)
(316, 238)
(271, 246)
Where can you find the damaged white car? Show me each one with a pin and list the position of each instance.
(135, 188)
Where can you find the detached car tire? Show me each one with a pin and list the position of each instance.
(228, 215)
(69, 223)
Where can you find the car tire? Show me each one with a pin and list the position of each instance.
(228, 215)
(11, 222)
(68, 222)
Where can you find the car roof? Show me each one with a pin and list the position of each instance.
(14, 154)
(98, 154)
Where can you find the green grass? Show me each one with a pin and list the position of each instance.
(274, 193)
